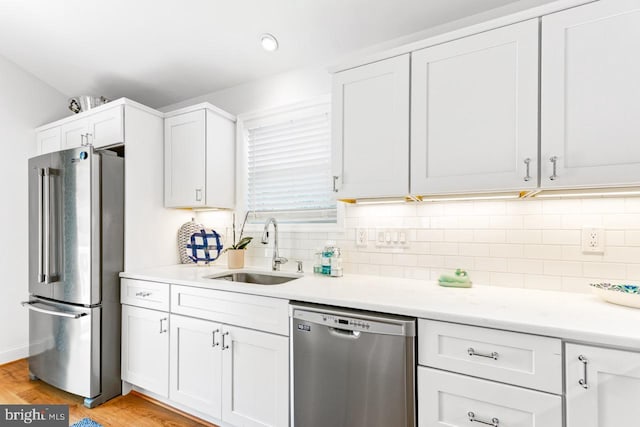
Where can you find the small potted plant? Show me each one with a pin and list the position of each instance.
(235, 252)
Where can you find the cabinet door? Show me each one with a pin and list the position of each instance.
(590, 92)
(449, 400)
(145, 349)
(74, 133)
(184, 156)
(602, 386)
(255, 378)
(107, 127)
(48, 141)
(474, 113)
(370, 136)
(196, 364)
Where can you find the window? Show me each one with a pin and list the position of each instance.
(288, 164)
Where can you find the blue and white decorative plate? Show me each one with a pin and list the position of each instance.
(622, 294)
(204, 246)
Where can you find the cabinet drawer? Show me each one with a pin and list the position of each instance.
(145, 294)
(510, 357)
(251, 311)
(446, 399)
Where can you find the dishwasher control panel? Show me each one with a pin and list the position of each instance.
(364, 324)
(345, 321)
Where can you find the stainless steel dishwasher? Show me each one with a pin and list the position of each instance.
(352, 368)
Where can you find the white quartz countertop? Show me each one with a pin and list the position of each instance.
(571, 316)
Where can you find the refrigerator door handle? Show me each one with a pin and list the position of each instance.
(41, 277)
(47, 225)
(30, 306)
(49, 276)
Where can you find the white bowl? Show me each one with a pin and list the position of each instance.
(627, 295)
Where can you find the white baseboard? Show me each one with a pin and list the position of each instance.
(17, 353)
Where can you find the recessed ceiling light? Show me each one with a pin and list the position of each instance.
(268, 42)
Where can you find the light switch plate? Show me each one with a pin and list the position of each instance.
(392, 237)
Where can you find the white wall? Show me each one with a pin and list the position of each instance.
(25, 103)
(275, 91)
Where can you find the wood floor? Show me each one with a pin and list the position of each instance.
(130, 410)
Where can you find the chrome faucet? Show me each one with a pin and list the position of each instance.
(277, 260)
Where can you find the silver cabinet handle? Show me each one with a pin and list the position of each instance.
(215, 343)
(143, 294)
(493, 355)
(335, 180)
(554, 163)
(162, 328)
(89, 135)
(198, 194)
(41, 277)
(30, 306)
(527, 162)
(224, 342)
(495, 422)
(583, 380)
(82, 137)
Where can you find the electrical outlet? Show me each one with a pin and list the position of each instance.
(592, 240)
(361, 237)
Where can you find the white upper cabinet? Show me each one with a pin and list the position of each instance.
(474, 113)
(602, 387)
(199, 148)
(184, 156)
(107, 127)
(48, 140)
(371, 130)
(99, 129)
(590, 93)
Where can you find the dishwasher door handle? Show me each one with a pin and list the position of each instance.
(344, 333)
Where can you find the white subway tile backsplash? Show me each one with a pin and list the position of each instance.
(524, 236)
(473, 249)
(407, 260)
(563, 268)
(430, 235)
(442, 248)
(561, 206)
(490, 236)
(431, 261)
(542, 251)
(522, 243)
(510, 280)
(550, 283)
(506, 250)
(527, 266)
(561, 237)
(609, 270)
(506, 222)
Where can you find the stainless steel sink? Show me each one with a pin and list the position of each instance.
(255, 278)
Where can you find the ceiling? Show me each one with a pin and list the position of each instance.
(162, 51)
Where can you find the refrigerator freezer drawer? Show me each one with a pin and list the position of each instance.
(64, 348)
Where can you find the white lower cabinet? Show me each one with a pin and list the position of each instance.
(602, 386)
(448, 399)
(145, 349)
(238, 375)
(196, 364)
(255, 378)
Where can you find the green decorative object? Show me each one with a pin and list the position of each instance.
(460, 279)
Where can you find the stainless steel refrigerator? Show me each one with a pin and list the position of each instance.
(76, 245)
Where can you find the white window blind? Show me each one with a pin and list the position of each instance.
(289, 165)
